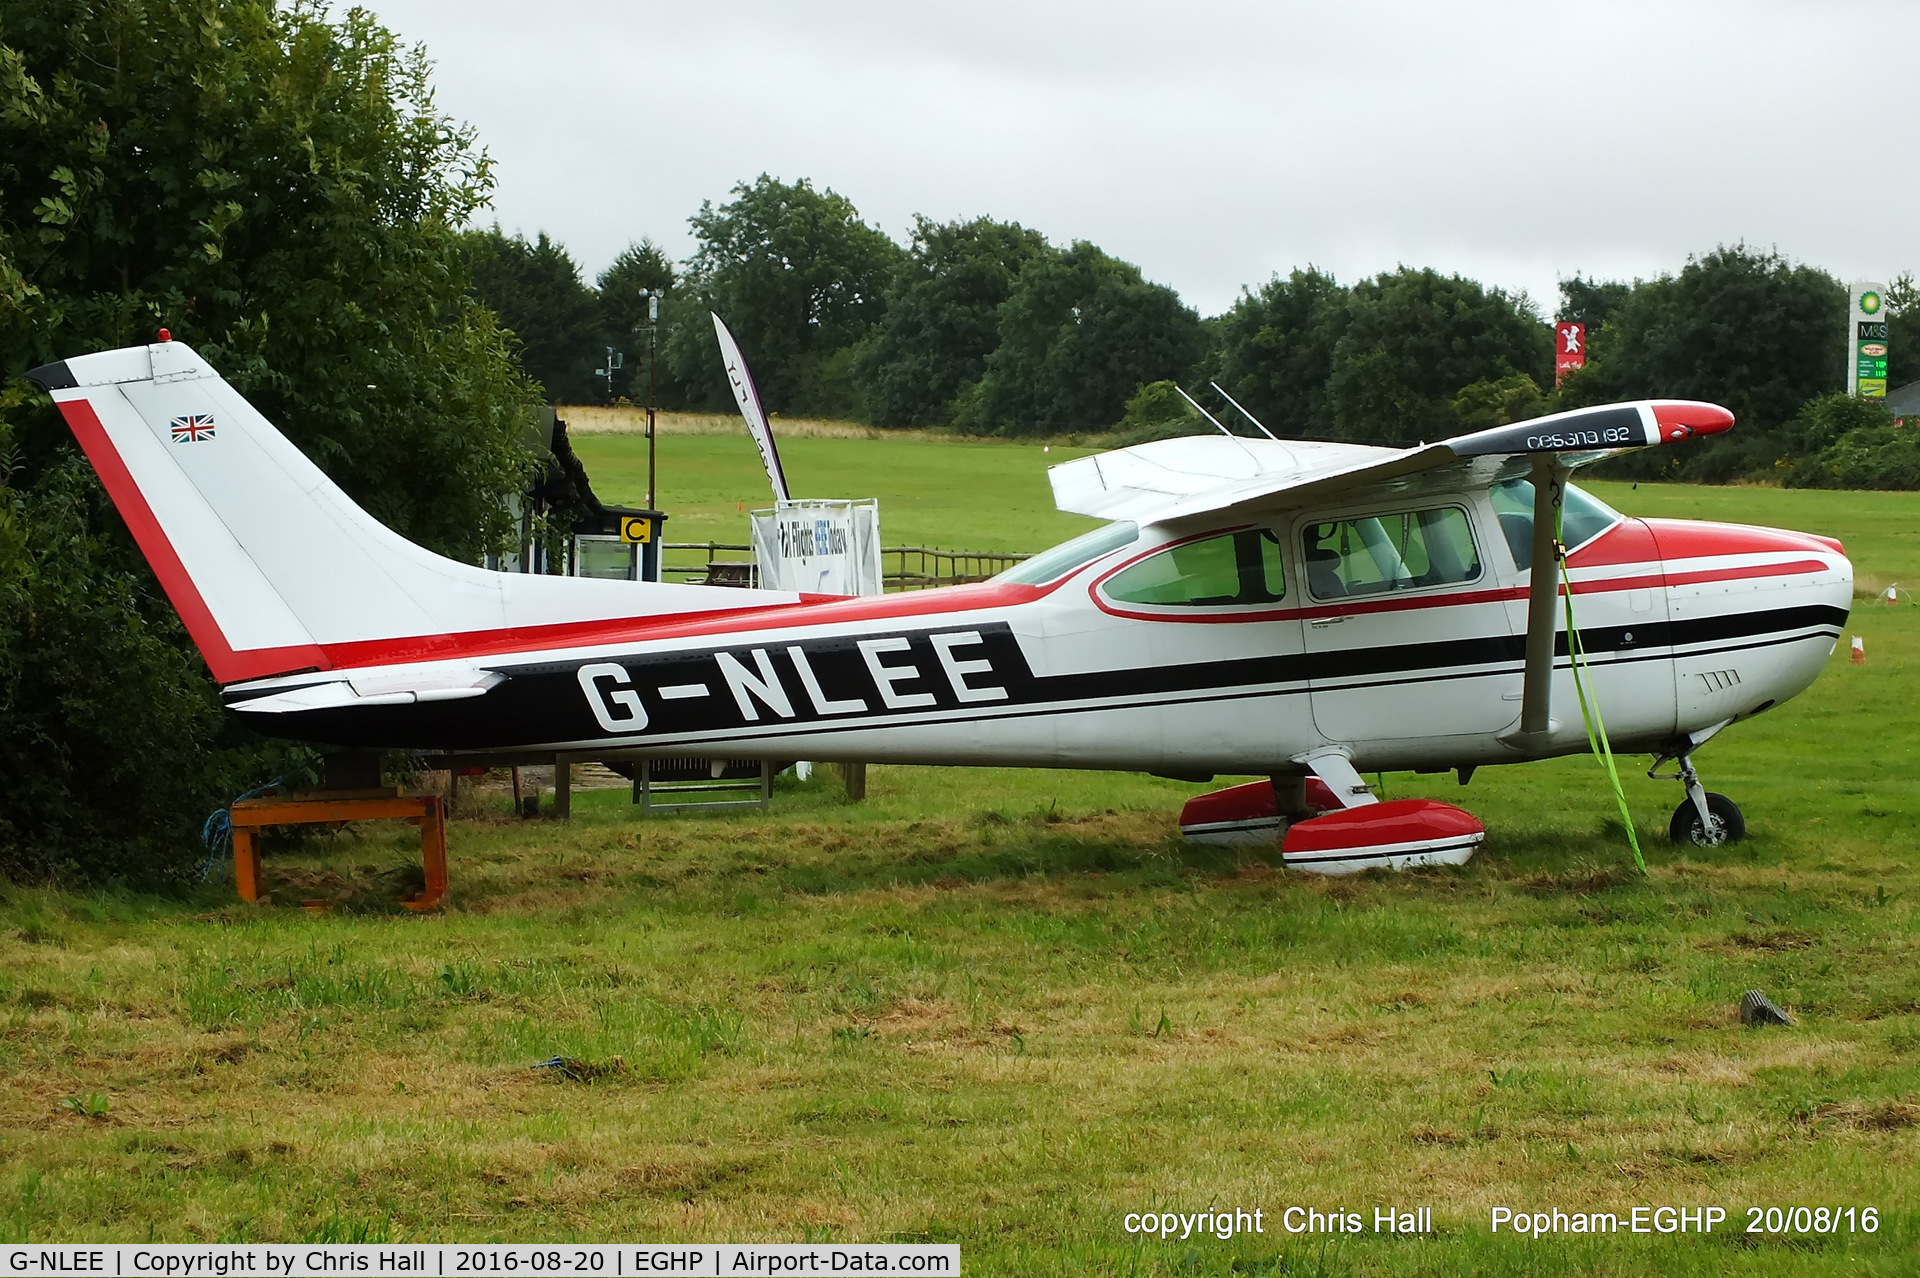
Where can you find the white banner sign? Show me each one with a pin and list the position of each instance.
(455, 1260)
(747, 395)
(820, 547)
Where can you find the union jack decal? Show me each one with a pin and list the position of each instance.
(192, 428)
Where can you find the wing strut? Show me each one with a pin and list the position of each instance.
(1543, 594)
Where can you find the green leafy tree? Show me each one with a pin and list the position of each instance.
(1414, 340)
(1079, 335)
(1497, 403)
(1157, 411)
(1825, 420)
(799, 278)
(623, 311)
(1843, 441)
(1749, 330)
(1275, 350)
(1591, 302)
(276, 188)
(535, 289)
(941, 319)
(112, 751)
(1903, 332)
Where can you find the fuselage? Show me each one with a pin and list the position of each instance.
(1393, 632)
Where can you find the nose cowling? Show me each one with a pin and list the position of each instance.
(1689, 539)
(1753, 614)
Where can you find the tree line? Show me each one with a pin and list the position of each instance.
(989, 327)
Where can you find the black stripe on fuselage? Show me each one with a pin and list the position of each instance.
(547, 702)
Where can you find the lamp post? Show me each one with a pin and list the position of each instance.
(653, 329)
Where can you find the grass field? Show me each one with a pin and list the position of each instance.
(1005, 1008)
(976, 495)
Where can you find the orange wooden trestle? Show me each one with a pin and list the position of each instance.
(428, 811)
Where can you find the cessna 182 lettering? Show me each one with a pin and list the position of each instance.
(1299, 610)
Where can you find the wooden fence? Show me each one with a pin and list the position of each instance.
(726, 563)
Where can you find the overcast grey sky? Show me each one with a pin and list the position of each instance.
(1215, 144)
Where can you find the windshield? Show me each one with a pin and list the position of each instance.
(1582, 517)
(1051, 565)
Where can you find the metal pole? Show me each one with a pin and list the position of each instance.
(1543, 597)
(653, 344)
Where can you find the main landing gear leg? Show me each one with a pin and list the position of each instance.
(1703, 819)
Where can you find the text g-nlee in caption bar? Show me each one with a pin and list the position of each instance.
(471, 1260)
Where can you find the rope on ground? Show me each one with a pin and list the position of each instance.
(217, 833)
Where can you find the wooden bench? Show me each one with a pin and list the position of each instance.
(428, 811)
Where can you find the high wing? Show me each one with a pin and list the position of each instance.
(1223, 479)
(1178, 479)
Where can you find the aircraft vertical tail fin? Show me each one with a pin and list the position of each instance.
(272, 567)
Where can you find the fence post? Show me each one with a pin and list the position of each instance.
(855, 775)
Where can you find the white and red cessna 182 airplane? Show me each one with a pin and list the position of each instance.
(1305, 611)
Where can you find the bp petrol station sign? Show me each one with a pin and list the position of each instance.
(1867, 340)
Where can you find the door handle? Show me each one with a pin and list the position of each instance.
(1328, 621)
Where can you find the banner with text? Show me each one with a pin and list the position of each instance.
(1867, 340)
(820, 547)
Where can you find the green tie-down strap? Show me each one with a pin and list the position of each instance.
(1590, 705)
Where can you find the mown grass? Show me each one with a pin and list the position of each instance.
(1006, 1007)
(972, 494)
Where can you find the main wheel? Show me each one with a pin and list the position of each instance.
(1727, 826)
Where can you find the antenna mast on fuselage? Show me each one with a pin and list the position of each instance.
(1243, 411)
(1204, 413)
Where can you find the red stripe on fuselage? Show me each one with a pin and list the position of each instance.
(1631, 541)
(1607, 585)
(812, 610)
(830, 611)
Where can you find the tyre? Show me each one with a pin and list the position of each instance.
(1728, 825)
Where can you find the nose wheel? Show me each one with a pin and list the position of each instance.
(1721, 824)
(1702, 819)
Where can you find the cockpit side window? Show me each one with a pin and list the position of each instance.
(1378, 554)
(1582, 518)
(1234, 568)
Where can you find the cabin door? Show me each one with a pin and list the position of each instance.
(1406, 631)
